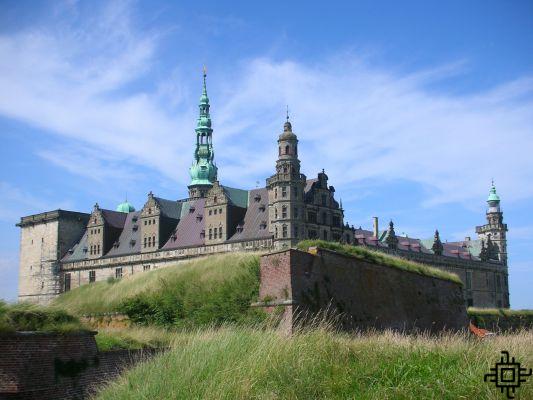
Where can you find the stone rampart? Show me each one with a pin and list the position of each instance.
(362, 295)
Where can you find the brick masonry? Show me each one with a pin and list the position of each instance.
(58, 366)
(361, 294)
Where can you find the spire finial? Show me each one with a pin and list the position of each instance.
(287, 113)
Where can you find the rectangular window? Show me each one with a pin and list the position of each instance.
(92, 276)
(468, 280)
(210, 233)
(284, 212)
(146, 268)
(66, 286)
(324, 200)
(311, 217)
(325, 234)
(118, 273)
(98, 252)
(284, 231)
(295, 231)
(144, 240)
(283, 191)
(210, 212)
(220, 232)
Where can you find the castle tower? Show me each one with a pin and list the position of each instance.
(493, 233)
(203, 170)
(286, 193)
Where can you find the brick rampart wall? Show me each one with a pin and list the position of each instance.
(365, 295)
(54, 366)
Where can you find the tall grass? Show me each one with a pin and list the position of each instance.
(245, 363)
(376, 257)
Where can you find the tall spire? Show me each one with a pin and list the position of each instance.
(203, 170)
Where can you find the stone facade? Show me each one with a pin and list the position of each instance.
(60, 250)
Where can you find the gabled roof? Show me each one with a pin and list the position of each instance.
(128, 242)
(189, 230)
(114, 219)
(76, 252)
(237, 197)
(169, 208)
(256, 216)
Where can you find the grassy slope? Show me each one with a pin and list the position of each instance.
(30, 317)
(377, 257)
(242, 363)
(101, 297)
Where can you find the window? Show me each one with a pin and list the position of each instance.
(284, 231)
(275, 213)
(42, 284)
(145, 222)
(210, 233)
(215, 212)
(287, 149)
(470, 302)
(98, 251)
(118, 273)
(153, 240)
(336, 221)
(284, 169)
(275, 193)
(499, 304)
(498, 283)
(146, 268)
(324, 200)
(324, 218)
(279, 151)
(295, 192)
(210, 212)
(295, 231)
(283, 191)
(66, 284)
(468, 279)
(215, 200)
(220, 232)
(153, 221)
(325, 235)
(276, 232)
(92, 276)
(220, 210)
(145, 240)
(284, 212)
(311, 217)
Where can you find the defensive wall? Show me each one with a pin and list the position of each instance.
(363, 295)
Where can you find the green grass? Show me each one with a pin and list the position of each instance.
(210, 290)
(245, 363)
(135, 337)
(498, 319)
(30, 317)
(376, 257)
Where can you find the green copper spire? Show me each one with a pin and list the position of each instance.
(493, 196)
(203, 170)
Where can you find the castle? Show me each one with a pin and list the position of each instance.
(61, 250)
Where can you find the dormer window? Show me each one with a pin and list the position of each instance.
(132, 242)
(116, 244)
(202, 233)
(135, 227)
(239, 228)
(192, 209)
(150, 210)
(263, 225)
(173, 237)
(134, 219)
(262, 208)
(257, 197)
(199, 217)
(70, 251)
(85, 249)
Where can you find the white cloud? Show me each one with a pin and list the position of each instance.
(357, 121)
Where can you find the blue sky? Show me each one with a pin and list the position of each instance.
(410, 108)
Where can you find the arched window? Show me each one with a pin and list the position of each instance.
(287, 148)
(215, 199)
(284, 169)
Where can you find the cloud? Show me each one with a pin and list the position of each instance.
(359, 122)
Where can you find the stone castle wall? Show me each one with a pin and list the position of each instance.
(364, 295)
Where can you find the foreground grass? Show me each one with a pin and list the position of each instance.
(377, 257)
(31, 317)
(245, 363)
(197, 289)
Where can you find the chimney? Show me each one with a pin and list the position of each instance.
(376, 228)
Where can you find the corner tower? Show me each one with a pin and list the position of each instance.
(203, 170)
(286, 193)
(494, 232)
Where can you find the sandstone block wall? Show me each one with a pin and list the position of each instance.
(364, 295)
